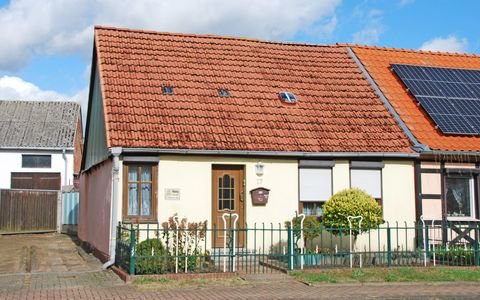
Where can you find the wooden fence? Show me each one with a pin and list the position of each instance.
(28, 211)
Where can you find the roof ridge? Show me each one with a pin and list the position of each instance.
(214, 36)
(39, 101)
(408, 50)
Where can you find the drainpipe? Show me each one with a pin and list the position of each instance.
(116, 151)
(64, 156)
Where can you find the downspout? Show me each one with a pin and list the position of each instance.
(64, 156)
(116, 151)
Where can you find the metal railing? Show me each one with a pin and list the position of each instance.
(262, 248)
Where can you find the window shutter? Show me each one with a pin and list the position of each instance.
(367, 180)
(315, 184)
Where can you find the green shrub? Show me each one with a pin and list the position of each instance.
(311, 226)
(150, 257)
(351, 202)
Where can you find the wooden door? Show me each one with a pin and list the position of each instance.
(35, 181)
(228, 197)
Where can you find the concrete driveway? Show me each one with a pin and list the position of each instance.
(39, 253)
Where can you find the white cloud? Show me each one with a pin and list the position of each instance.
(15, 88)
(405, 2)
(373, 28)
(31, 27)
(447, 44)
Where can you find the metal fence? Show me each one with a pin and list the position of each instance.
(70, 203)
(262, 248)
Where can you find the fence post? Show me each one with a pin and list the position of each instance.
(289, 247)
(427, 242)
(477, 255)
(389, 247)
(59, 212)
(132, 250)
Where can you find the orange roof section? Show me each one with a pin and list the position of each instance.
(377, 61)
(337, 109)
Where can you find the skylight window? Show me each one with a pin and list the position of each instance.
(223, 93)
(288, 97)
(167, 90)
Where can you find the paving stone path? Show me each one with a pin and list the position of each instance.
(106, 285)
(55, 269)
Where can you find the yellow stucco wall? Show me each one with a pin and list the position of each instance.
(192, 175)
(398, 189)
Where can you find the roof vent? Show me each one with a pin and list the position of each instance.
(288, 97)
(167, 90)
(223, 93)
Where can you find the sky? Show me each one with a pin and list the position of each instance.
(46, 46)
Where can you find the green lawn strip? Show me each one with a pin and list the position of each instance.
(403, 274)
(164, 283)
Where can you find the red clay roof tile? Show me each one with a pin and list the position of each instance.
(337, 109)
(377, 61)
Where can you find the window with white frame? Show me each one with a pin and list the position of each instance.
(315, 184)
(367, 176)
(459, 194)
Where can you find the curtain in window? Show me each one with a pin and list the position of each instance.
(132, 199)
(146, 191)
(458, 196)
(132, 191)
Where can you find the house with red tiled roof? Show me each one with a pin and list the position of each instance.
(435, 97)
(201, 125)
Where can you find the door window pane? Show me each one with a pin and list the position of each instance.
(226, 193)
(459, 195)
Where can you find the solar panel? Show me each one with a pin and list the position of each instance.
(451, 97)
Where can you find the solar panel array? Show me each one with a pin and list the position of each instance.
(451, 97)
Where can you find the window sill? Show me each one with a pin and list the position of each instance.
(141, 221)
(462, 219)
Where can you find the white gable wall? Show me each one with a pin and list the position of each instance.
(11, 161)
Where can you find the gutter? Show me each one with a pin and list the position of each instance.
(115, 151)
(458, 153)
(417, 146)
(292, 154)
(64, 156)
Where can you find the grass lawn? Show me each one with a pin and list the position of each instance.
(390, 275)
(163, 283)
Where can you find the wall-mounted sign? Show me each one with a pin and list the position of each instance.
(259, 196)
(172, 194)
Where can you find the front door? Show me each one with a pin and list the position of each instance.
(228, 197)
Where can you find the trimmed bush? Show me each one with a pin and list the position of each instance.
(150, 257)
(351, 202)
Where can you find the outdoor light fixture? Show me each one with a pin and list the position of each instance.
(259, 168)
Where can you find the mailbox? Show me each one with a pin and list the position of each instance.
(259, 196)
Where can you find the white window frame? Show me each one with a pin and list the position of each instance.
(471, 182)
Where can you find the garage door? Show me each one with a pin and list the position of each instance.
(36, 181)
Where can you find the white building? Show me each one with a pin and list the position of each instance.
(40, 144)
